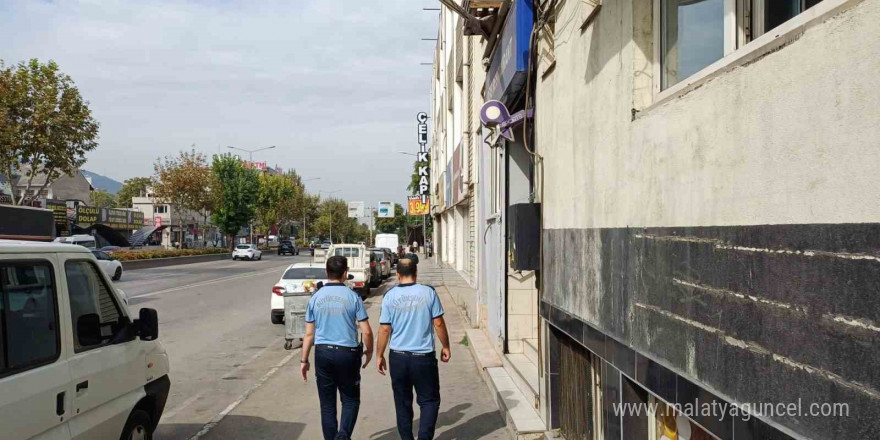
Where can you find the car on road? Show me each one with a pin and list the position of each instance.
(111, 266)
(288, 247)
(392, 255)
(358, 266)
(296, 278)
(75, 362)
(80, 239)
(111, 249)
(326, 244)
(247, 252)
(383, 264)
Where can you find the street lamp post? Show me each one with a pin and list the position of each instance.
(331, 212)
(251, 160)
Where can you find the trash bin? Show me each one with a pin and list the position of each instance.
(295, 304)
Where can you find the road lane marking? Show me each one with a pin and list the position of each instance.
(170, 414)
(205, 283)
(219, 417)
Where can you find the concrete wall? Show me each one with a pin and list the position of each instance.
(729, 232)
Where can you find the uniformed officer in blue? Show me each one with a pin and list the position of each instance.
(411, 316)
(333, 316)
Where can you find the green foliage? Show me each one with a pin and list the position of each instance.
(345, 229)
(413, 186)
(182, 182)
(134, 187)
(45, 125)
(282, 200)
(102, 199)
(397, 225)
(234, 189)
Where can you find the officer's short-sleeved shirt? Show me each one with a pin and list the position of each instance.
(410, 309)
(334, 309)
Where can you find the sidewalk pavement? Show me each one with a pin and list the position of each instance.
(286, 408)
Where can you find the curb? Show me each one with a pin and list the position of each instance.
(173, 261)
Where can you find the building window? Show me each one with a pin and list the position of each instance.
(693, 34)
(692, 37)
(768, 14)
(160, 209)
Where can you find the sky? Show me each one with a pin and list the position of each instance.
(335, 85)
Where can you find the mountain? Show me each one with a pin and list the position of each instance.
(103, 182)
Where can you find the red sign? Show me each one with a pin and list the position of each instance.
(157, 221)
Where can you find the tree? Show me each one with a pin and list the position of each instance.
(134, 187)
(234, 189)
(102, 199)
(394, 225)
(276, 200)
(45, 125)
(345, 228)
(184, 183)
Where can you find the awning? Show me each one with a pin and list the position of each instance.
(139, 238)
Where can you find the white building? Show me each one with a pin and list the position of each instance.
(454, 152)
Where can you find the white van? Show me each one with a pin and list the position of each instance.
(73, 362)
(84, 240)
(387, 241)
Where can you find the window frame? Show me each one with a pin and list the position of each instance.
(739, 46)
(120, 310)
(6, 372)
(730, 42)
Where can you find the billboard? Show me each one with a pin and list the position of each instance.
(121, 219)
(386, 210)
(355, 209)
(417, 206)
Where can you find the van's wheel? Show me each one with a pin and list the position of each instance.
(118, 274)
(138, 426)
(260, 258)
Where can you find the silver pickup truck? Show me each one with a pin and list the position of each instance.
(358, 265)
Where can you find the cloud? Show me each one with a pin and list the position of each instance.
(335, 84)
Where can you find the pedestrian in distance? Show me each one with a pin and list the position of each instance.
(411, 315)
(333, 316)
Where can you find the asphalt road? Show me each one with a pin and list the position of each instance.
(214, 322)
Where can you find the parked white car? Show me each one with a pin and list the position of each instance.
(247, 252)
(80, 239)
(110, 266)
(76, 364)
(296, 278)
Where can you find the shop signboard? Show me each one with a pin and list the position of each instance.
(386, 210)
(121, 219)
(59, 214)
(416, 206)
(510, 57)
(355, 209)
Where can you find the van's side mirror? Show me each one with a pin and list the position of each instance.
(350, 276)
(88, 330)
(149, 325)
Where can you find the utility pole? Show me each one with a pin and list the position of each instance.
(330, 212)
